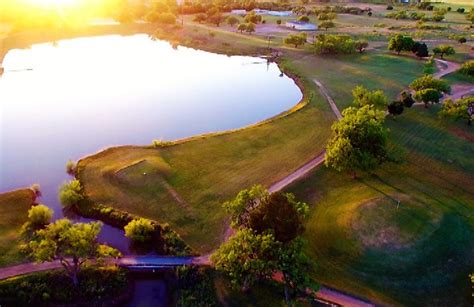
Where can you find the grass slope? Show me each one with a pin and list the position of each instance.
(416, 252)
(13, 213)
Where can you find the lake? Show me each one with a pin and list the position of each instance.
(63, 100)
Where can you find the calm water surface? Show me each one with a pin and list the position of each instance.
(67, 99)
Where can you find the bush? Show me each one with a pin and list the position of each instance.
(39, 216)
(295, 39)
(334, 44)
(461, 10)
(70, 167)
(395, 108)
(389, 7)
(161, 143)
(139, 230)
(70, 193)
(468, 68)
(195, 287)
(53, 288)
(278, 21)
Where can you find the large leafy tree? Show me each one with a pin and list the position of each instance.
(246, 257)
(295, 39)
(267, 241)
(427, 96)
(279, 214)
(71, 244)
(245, 201)
(295, 267)
(429, 89)
(428, 81)
(458, 109)
(401, 43)
(359, 140)
(363, 97)
(443, 50)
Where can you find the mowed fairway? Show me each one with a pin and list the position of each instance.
(404, 235)
(186, 184)
(13, 213)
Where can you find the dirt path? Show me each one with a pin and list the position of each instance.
(445, 68)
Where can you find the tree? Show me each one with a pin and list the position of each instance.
(395, 108)
(70, 193)
(439, 15)
(246, 257)
(333, 44)
(139, 230)
(400, 43)
(38, 217)
(250, 27)
(278, 21)
(295, 267)
(295, 39)
(470, 16)
(428, 81)
(216, 19)
(358, 141)
(71, 244)
(462, 40)
(266, 242)
(468, 68)
(444, 50)
(428, 95)
(458, 109)
(245, 202)
(361, 45)
(232, 21)
(200, 17)
(420, 50)
(253, 18)
(363, 97)
(327, 24)
(280, 215)
(407, 99)
(242, 27)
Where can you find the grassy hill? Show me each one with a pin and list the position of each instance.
(13, 214)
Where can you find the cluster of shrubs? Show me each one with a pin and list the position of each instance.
(438, 15)
(197, 7)
(468, 68)
(195, 287)
(337, 44)
(163, 238)
(102, 286)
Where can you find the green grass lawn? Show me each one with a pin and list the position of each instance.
(206, 172)
(458, 78)
(415, 252)
(13, 213)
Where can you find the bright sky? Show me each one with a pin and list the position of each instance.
(52, 2)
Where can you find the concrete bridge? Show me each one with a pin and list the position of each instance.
(134, 263)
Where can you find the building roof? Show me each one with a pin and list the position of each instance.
(301, 23)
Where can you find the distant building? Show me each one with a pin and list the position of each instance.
(273, 13)
(239, 12)
(301, 26)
